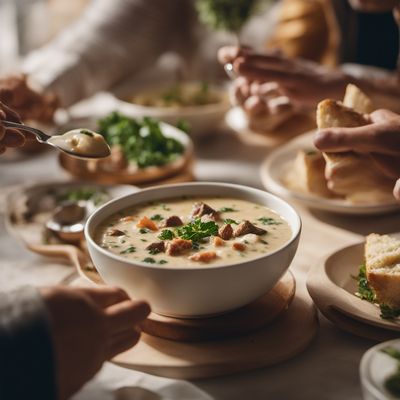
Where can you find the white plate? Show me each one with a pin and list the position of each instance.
(331, 285)
(276, 165)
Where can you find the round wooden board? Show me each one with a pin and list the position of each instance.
(275, 342)
(285, 338)
(249, 318)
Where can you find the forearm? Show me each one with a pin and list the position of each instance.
(112, 40)
(26, 354)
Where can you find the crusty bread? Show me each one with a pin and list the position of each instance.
(331, 113)
(351, 175)
(382, 261)
(356, 99)
(307, 174)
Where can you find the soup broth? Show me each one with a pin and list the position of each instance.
(194, 231)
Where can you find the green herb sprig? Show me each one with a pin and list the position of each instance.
(197, 230)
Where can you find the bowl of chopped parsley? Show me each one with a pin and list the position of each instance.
(142, 150)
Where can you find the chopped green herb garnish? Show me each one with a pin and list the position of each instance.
(144, 230)
(97, 196)
(157, 217)
(130, 249)
(149, 260)
(165, 207)
(365, 292)
(143, 240)
(166, 234)
(227, 209)
(163, 262)
(197, 230)
(230, 221)
(268, 221)
(86, 132)
(263, 241)
(392, 352)
(142, 142)
(154, 251)
(195, 245)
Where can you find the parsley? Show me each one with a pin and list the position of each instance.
(365, 292)
(268, 221)
(130, 249)
(392, 352)
(157, 217)
(163, 262)
(230, 221)
(149, 260)
(166, 234)
(144, 230)
(95, 195)
(227, 209)
(154, 251)
(86, 132)
(197, 230)
(165, 207)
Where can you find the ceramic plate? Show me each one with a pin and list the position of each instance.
(276, 165)
(236, 120)
(29, 207)
(331, 285)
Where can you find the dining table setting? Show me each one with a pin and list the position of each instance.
(301, 338)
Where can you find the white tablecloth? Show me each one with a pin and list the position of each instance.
(328, 369)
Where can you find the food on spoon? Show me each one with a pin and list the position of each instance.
(379, 276)
(83, 142)
(195, 242)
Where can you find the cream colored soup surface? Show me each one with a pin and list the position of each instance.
(124, 233)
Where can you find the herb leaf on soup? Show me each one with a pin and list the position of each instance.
(156, 217)
(268, 221)
(149, 260)
(166, 234)
(230, 221)
(227, 209)
(197, 230)
(130, 249)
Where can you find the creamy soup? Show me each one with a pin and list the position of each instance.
(191, 231)
(82, 142)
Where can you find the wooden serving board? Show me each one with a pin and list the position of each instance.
(277, 338)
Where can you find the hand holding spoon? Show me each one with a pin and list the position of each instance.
(80, 143)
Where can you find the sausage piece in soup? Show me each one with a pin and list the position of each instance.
(191, 231)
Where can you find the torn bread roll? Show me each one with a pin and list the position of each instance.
(356, 99)
(353, 176)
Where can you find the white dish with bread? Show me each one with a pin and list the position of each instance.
(355, 186)
(361, 281)
(194, 285)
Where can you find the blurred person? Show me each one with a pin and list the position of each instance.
(54, 339)
(301, 83)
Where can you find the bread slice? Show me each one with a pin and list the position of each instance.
(307, 174)
(352, 175)
(356, 99)
(382, 262)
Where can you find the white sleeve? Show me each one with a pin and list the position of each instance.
(111, 41)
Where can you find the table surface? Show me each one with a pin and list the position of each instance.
(328, 369)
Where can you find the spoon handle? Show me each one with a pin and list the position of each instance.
(40, 136)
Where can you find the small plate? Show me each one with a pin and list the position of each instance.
(236, 120)
(278, 162)
(30, 206)
(332, 286)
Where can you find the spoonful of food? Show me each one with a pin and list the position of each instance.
(80, 143)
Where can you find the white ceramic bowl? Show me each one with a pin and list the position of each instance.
(202, 119)
(375, 368)
(195, 292)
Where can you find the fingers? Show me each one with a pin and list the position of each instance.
(389, 165)
(12, 138)
(107, 296)
(396, 190)
(383, 116)
(122, 342)
(374, 138)
(9, 114)
(127, 314)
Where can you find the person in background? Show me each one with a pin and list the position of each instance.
(54, 339)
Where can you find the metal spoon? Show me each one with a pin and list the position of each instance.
(68, 221)
(228, 67)
(41, 137)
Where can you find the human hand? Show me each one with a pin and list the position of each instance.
(304, 82)
(89, 326)
(9, 137)
(380, 140)
(26, 101)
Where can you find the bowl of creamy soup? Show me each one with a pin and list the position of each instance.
(194, 249)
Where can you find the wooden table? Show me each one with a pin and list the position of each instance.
(328, 369)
